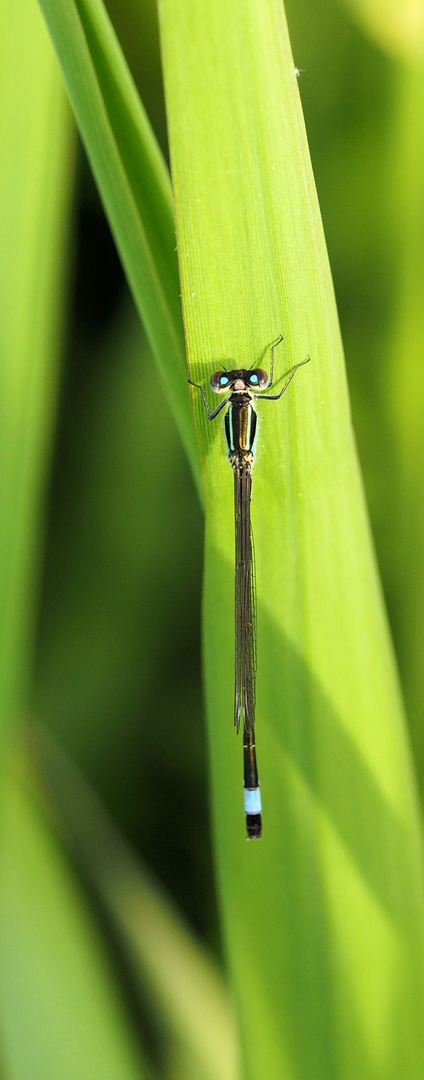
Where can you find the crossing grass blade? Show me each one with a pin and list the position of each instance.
(132, 180)
(326, 949)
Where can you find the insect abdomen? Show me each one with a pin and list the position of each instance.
(240, 428)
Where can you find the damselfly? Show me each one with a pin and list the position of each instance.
(241, 433)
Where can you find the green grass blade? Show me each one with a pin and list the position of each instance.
(132, 181)
(61, 1015)
(326, 948)
(37, 165)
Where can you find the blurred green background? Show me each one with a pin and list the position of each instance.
(116, 676)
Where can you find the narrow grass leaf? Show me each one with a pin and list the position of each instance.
(324, 917)
(132, 180)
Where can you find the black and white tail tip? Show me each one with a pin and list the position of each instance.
(252, 809)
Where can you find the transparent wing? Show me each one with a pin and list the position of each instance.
(245, 601)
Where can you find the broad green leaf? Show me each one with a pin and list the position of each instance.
(132, 179)
(181, 980)
(37, 165)
(323, 918)
(61, 1016)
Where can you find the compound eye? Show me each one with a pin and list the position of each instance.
(258, 378)
(219, 381)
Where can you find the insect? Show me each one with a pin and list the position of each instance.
(242, 387)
